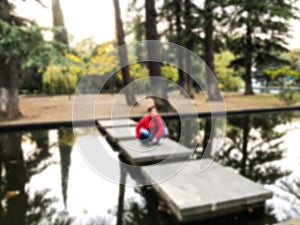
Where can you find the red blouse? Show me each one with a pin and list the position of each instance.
(155, 125)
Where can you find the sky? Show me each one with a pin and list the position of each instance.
(88, 18)
(94, 18)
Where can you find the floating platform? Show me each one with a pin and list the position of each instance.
(190, 193)
(114, 123)
(194, 195)
(108, 123)
(117, 134)
(139, 154)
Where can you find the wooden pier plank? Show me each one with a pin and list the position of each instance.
(120, 133)
(140, 154)
(194, 195)
(109, 123)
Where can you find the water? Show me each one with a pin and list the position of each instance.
(44, 179)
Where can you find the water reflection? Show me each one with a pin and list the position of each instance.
(65, 143)
(252, 144)
(17, 206)
(120, 208)
(178, 131)
(293, 188)
(44, 179)
(13, 180)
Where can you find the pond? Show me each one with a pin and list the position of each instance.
(44, 179)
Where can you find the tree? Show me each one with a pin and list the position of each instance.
(208, 48)
(258, 32)
(60, 32)
(159, 90)
(123, 57)
(136, 26)
(22, 51)
(181, 19)
(189, 43)
(172, 12)
(9, 66)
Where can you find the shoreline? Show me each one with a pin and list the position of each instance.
(21, 125)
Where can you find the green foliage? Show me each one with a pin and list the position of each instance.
(283, 71)
(293, 57)
(258, 32)
(227, 78)
(289, 96)
(63, 79)
(104, 59)
(169, 72)
(26, 43)
(34, 54)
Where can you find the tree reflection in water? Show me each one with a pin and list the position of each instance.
(252, 146)
(17, 208)
(65, 143)
(185, 131)
(293, 188)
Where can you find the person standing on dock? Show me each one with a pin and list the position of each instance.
(151, 129)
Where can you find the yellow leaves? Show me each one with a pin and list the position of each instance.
(138, 71)
(59, 79)
(222, 61)
(77, 69)
(73, 57)
(285, 70)
(40, 71)
(105, 61)
(170, 72)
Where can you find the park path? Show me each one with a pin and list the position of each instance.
(59, 108)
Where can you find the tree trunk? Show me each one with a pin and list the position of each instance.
(9, 89)
(248, 62)
(9, 69)
(179, 39)
(189, 44)
(212, 88)
(188, 81)
(139, 32)
(60, 32)
(159, 91)
(130, 98)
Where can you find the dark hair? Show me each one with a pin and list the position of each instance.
(150, 108)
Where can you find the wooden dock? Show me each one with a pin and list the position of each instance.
(107, 123)
(117, 123)
(194, 195)
(190, 194)
(119, 129)
(137, 153)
